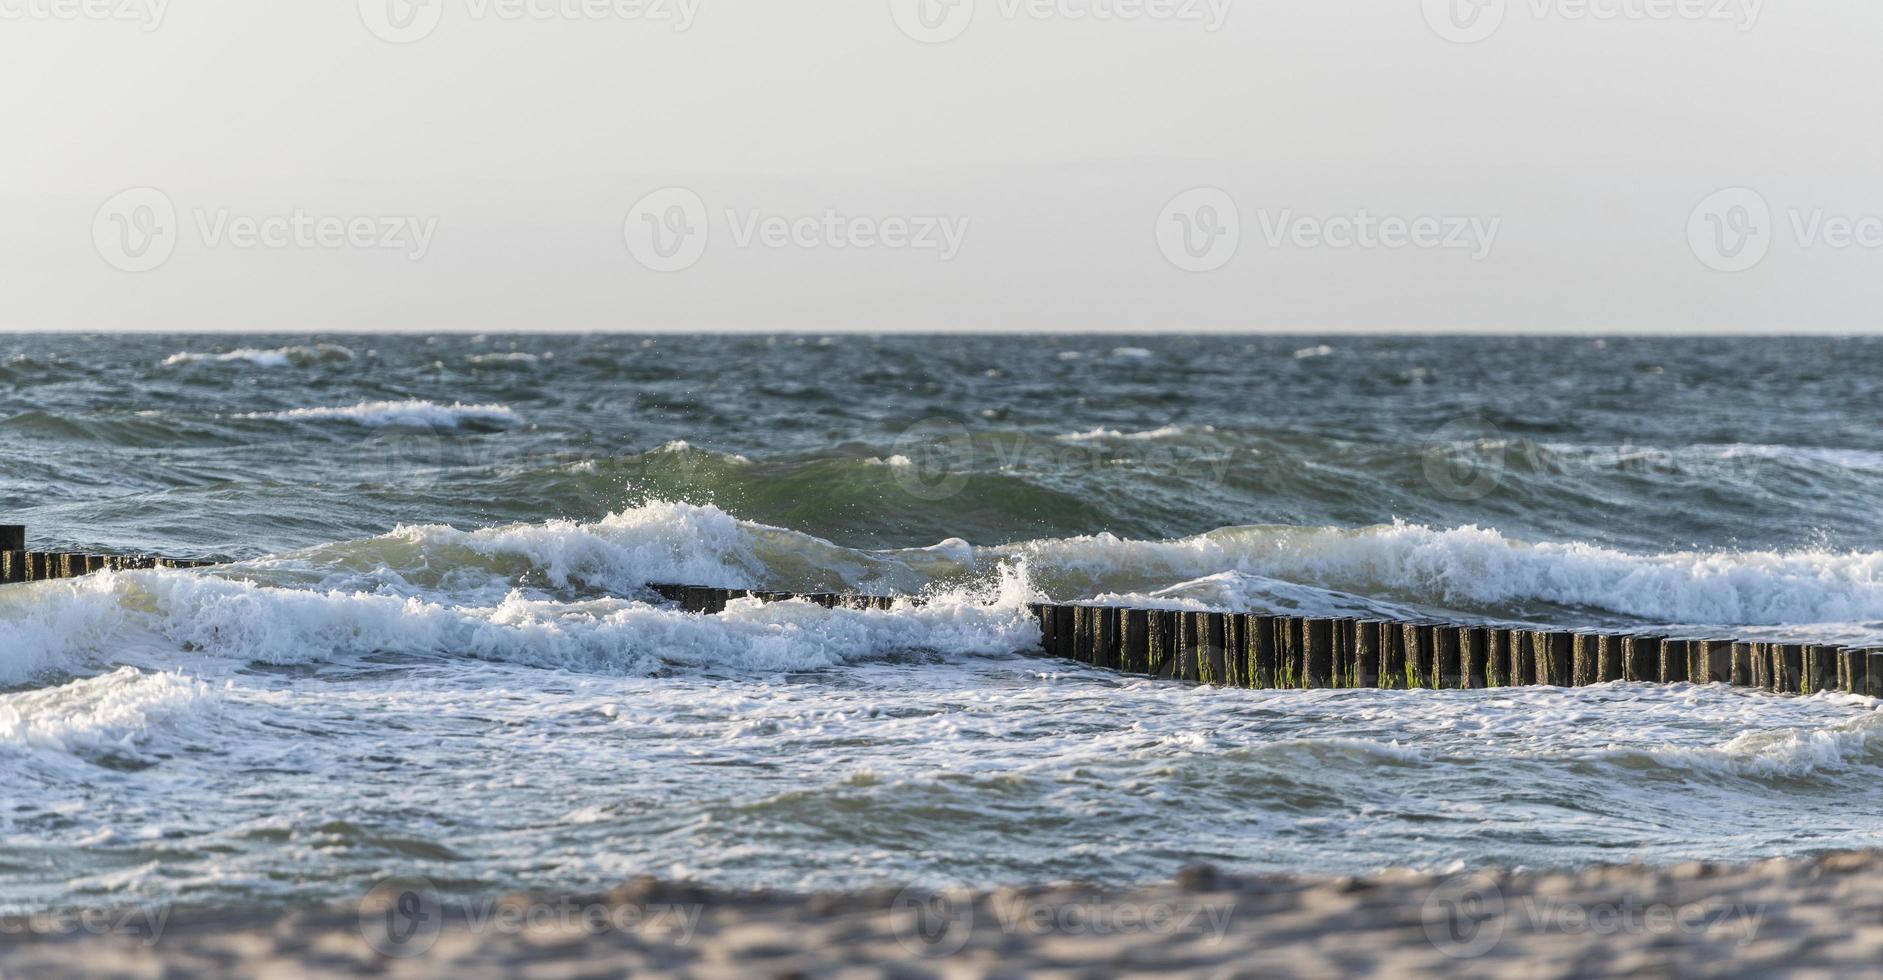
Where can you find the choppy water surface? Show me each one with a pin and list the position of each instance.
(433, 651)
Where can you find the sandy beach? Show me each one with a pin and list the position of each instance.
(1822, 917)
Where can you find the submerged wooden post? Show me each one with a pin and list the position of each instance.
(1366, 653)
(1497, 657)
(1448, 665)
(1318, 645)
(1164, 657)
(1742, 673)
(1134, 652)
(1258, 636)
(1641, 658)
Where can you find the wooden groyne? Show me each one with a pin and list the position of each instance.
(19, 565)
(1281, 652)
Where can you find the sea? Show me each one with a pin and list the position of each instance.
(430, 648)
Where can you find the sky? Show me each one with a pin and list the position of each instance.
(1508, 166)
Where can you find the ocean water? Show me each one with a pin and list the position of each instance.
(432, 650)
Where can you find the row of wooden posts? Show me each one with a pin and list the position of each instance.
(18, 565)
(1279, 652)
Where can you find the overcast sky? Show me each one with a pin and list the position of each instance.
(1152, 165)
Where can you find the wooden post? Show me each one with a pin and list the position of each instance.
(1216, 647)
(1366, 653)
(1522, 671)
(1742, 669)
(1163, 660)
(1714, 662)
(1553, 658)
(1395, 673)
(1641, 658)
(1421, 658)
(1134, 653)
(1448, 666)
(1820, 669)
(1290, 650)
(1258, 632)
(1585, 659)
(1497, 657)
(1674, 662)
(1852, 670)
(1614, 653)
(1873, 673)
(12, 567)
(12, 537)
(1791, 660)
(1344, 672)
(1108, 638)
(1318, 637)
(1475, 645)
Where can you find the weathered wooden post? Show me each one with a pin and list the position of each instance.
(1497, 657)
(1641, 658)
(1791, 660)
(1108, 638)
(1474, 644)
(1852, 670)
(1614, 654)
(1318, 638)
(1291, 651)
(12, 537)
(1823, 670)
(1742, 673)
(1134, 653)
(1873, 673)
(1674, 661)
(1366, 653)
(1264, 661)
(1164, 660)
(12, 567)
(1554, 658)
(1585, 659)
(1713, 664)
(1448, 666)
(1420, 657)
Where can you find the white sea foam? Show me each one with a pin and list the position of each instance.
(108, 713)
(412, 413)
(296, 356)
(1138, 353)
(1471, 566)
(1103, 434)
(245, 621)
(1307, 353)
